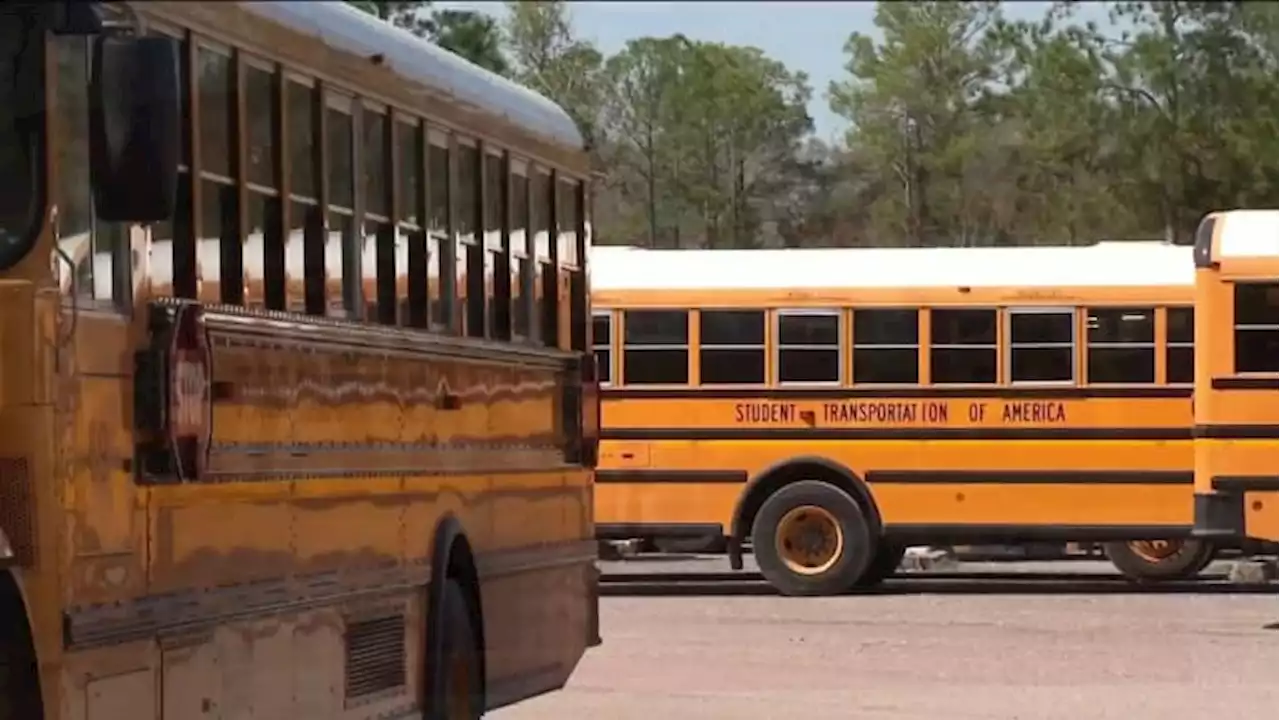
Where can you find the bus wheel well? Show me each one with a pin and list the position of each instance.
(19, 682)
(453, 560)
(773, 479)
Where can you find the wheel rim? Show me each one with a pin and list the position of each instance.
(809, 540)
(460, 688)
(1154, 551)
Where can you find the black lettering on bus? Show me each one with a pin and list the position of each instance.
(935, 413)
(977, 412)
(764, 412)
(1034, 412)
(883, 413)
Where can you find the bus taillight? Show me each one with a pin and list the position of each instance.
(190, 393)
(174, 395)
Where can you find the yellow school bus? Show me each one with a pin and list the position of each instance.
(296, 412)
(833, 406)
(1237, 258)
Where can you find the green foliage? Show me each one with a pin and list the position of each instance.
(549, 59)
(696, 133)
(1061, 131)
(965, 128)
(468, 34)
(473, 36)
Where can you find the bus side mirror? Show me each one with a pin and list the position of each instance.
(74, 17)
(134, 121)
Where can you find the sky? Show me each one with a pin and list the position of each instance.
(803, 35)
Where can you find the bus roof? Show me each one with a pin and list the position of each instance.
(342, 26)
(1247, 233)
(1105, 264)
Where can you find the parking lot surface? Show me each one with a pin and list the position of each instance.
(1023, 641)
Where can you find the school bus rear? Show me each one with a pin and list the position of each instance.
(832, 406)
(1236, 403)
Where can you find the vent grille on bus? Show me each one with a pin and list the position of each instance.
(375, 661)
(16, 507)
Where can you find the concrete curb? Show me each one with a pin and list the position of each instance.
(1256, 571)
(923, 558)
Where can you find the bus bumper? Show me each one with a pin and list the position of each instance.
(1219, 515)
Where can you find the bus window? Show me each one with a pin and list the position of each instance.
(379, 232)
(468, 229)
(886, 346)
(439, 247)
(1179, 353)
(264, 252)
(342, 267)
(602, 345)
(521, 256)
(75, 222)
(497, 258)
(306, 220)
(808, 346)
(962, 346)
(542, 209)
(732, 347)
(1042, 345)
(1256, 328)
(408, 149)
(655, 347)
(1122, 345)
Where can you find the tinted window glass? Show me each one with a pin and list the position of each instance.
(1041, 347)
(808, 348)
(656, 327)
(963, 349)
(885, 327)
(1121, 345)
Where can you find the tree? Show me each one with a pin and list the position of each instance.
(639, 118)
(549, 59)
(466, 33)
(694, 132)
(412, 15)
(915, 102)
(473, 36)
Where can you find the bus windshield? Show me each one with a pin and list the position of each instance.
(21, 130)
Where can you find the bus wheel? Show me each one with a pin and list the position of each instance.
(883, 564)
(462, 697)
(810, 538)
(1147, 561)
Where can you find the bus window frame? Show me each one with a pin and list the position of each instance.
(854, 345)
(1170, 344)
(762, 347)
(779, 346)
(993, 346)
(605, 373)
(1236, 327)
(1010, 343)
(1153, 345)
(686, 347)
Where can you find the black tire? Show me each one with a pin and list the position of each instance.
(883, 564)
(19, 678)
(854, 553)
(1190, 557)
(461, 695)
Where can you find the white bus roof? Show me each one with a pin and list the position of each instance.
(1249, 233)
(342, 26)
(1105, 264)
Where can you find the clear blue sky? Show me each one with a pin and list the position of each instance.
(806, 36)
